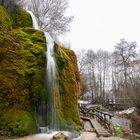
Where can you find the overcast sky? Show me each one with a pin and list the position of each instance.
(101, 23)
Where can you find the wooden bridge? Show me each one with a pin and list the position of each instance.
(94, 124)
(94, 118)
(116, 101)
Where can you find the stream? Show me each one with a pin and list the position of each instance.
(121, 121)
(116, 120)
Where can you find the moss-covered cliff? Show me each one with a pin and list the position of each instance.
(5, 21)
(22, 68)
(67, 79)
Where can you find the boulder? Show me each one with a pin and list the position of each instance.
(60, 136)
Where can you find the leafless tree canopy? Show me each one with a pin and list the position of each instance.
(112, 74)
(51, 15)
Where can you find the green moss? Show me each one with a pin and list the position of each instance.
(29, 30)
(19, 123)
(68, 90)
(22, 19)
(22, 68)
(21, 78)
(118, 131)
(27, 34)
(5, 21)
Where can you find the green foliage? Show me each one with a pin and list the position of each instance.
(119, 131)
(22, 19)
(5, 21)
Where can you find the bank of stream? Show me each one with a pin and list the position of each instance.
(119, 121)
(116, 120)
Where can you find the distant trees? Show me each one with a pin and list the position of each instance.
(81, 56)
(82, 68)
(90, 61)
(51, 15)
(94, 66)
(125, 53)
(83, 85)
(115, 74)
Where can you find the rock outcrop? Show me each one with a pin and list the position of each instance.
(22, 68)
(60, 136)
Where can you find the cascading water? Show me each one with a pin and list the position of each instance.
(47, 107)
(51, 81)
(35, 23)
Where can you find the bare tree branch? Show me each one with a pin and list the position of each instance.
(51, 15)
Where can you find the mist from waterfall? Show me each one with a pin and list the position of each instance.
(47, 107)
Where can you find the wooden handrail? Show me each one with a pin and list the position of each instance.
(102, 116)
(105, 113)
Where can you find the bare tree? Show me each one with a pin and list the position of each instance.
(83, 84)
(51, 15)
(81, 59)
(125, 53)
(90, 60)
(95, 67)
(134, 84)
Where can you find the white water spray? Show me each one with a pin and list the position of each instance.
(49, 56)
(50, 78)
(34, 20)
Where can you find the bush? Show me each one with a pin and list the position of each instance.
(135, 120)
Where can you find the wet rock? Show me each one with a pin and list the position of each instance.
(60, 136)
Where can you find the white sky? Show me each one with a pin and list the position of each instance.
(101, 23)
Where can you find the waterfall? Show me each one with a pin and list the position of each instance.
(51, 82)
(34, 20)
(47, 107)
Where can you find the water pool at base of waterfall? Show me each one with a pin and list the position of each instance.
(50, 134)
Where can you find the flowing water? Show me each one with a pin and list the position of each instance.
(34, 20)
(116, 120)
(120, 121)
(51, 82)
(47, 105)
(47, 108)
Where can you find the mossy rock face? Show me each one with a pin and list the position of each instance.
(21, 75)
(5, 21)
(22, 19)
(20, 123)
(67, 80)
(22, 61)
(22, 69)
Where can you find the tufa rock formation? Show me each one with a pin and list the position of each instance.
(22, 68)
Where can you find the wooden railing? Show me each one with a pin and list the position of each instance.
(104, 117)
(116, 101)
